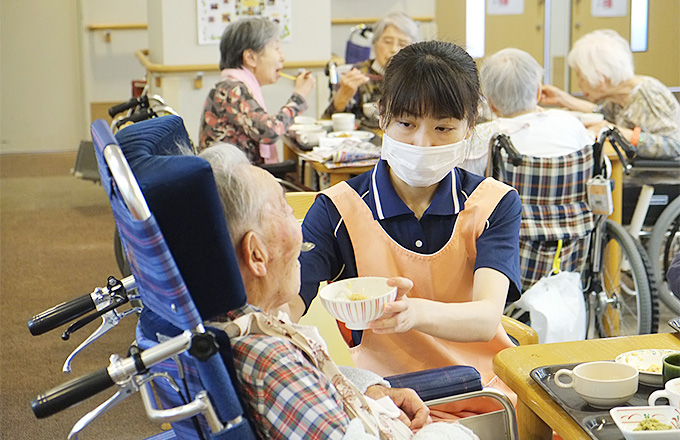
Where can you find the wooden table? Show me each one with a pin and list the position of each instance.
(292, 151)
(537, 414)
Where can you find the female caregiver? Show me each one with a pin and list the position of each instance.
(452, 233)
(235, 110)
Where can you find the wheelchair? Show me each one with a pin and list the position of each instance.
(618, 283)
(658, 226)
(185, 274)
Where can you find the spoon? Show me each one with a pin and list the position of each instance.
(307, 246)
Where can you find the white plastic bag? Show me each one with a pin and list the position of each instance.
(556, 307)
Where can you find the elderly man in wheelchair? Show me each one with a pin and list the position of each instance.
(292, 385)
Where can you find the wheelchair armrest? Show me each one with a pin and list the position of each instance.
(280, 169)
(522, 333)
(439, 382)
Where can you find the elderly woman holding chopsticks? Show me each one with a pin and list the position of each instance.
(361, 85)
(235, 111)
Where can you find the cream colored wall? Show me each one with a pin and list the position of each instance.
(41, 85)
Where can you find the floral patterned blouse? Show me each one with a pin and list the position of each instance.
(232, 115)
(653, 108)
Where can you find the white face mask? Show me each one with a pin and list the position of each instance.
(422, 166)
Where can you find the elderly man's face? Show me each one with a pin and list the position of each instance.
(283, 238)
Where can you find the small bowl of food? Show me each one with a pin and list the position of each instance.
(647, 422)
(357, 301)
(649, 363)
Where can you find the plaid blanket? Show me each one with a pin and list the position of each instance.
(553, 194)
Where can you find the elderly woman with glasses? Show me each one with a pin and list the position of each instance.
(362, 84)
(235, 111)
(642, 108)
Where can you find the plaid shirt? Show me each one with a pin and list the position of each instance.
(553, 194)
(288, 396)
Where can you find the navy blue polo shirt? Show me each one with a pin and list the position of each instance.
(333, 256)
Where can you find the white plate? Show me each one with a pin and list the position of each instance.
(648, 362)
(358, 135)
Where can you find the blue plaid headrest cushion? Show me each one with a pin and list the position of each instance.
(181, 193)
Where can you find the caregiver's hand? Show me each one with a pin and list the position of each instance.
(401, 315)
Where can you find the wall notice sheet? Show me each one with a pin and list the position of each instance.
(215, 15)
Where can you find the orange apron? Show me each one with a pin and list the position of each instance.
(445, 276)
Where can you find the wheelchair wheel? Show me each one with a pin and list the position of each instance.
(118, 251)
(629, 305)
(664, 243)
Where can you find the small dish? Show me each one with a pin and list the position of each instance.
(648, 362)
(358, 135)
(627, 418)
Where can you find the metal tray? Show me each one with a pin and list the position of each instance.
(597, 423)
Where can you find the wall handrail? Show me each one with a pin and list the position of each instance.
(117, 26)
(366, 20)
(143, 56)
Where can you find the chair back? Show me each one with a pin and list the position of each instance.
(156, 200)
(554, 207)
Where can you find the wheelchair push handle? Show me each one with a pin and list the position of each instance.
(61, 314)
(68, 394)
(132, 102)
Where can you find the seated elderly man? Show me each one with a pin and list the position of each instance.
(511, 83)
(293, 388)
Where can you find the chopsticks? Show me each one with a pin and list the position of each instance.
(285, 75)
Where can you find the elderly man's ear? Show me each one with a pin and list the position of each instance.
(254, 253)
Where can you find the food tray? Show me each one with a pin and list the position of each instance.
(596, 422)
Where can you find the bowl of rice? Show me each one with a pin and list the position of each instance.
(357, 301)
(648, 362)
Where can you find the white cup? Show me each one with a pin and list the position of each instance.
(304, 120)
(602, 384)
(671, 392)
(343, 121)
(310, 137)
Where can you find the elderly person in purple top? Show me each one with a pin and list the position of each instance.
(642, 108)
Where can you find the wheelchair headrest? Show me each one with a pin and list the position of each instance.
(181, 193)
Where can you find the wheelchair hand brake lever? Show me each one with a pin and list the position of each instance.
(109, 320)
(127, 388)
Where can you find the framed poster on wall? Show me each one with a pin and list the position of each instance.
(215, 15)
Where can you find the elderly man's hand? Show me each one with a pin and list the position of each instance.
(414, 413)
(401, 315)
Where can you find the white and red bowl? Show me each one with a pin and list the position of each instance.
(356, 314)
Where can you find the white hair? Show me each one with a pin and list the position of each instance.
(399, 20)
(600, 55)
(242, 199)
(510, 81)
